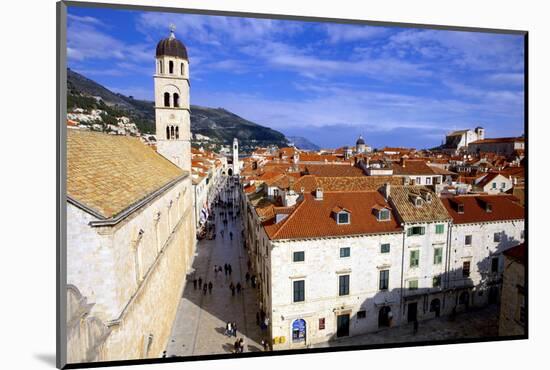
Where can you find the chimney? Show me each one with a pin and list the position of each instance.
(386, 190)
(319, 194)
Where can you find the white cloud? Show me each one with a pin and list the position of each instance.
(346, 33)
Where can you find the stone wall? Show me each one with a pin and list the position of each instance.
(512, 295)
(133, 272)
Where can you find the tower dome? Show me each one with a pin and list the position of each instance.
(360, 141)
(171, 46)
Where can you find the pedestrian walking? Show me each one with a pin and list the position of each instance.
(415, 326)
(264, 344)
(220, 269)
(230, 235)
(228, 329)
(216, 270)
(221, 232)
(232, 287)
(210, 287)
(200, 283)
(204, 288)
(195, 283)
(225, 268)
(238, 287)
(241, 345)
(247, 277)
(234, 326)
(229, 268)
(236, 347)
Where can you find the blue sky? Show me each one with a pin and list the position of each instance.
(328, 82)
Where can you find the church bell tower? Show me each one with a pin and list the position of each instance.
(172, 114)
(236, 169)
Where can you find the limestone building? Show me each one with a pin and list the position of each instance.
(130, 229)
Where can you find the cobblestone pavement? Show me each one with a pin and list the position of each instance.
(473, 324)
(200, 320)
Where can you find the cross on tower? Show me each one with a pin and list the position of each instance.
(172, 29)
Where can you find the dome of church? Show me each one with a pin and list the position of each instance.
(360, 141)
(171, 46)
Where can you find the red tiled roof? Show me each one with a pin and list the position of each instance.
(412, 167)
(517, 253)
(504, 207)
(314, 219)
(335, 170)
(499, 140)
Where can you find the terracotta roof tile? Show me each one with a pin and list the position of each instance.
(109, 173)
(402, 197)
(314, 218)
(335, 170)
(503, 207)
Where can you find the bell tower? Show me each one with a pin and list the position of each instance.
(236, 168)
(172, 114)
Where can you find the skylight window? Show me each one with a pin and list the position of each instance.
(343, 218)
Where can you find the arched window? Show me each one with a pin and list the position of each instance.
(172, 134)
(181, 66)
(171, 67)
(166, 99)
(167, 132)
(176, 100)
(177, 132)
(160, 67)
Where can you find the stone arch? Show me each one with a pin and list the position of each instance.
(172, 133)
(176, 100)
(171, 67)
(86, 334)
(177, 132)
(182, 70)
(161, 69)
(166, 99)
(167, 132)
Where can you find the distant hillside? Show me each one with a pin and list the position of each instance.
(302, 143)
(210, 126)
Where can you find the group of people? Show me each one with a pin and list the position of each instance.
(198, 282)
(231, 329)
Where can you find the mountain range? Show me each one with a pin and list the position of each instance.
(214, 126)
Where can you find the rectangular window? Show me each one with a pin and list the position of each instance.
(466, 269)
(384, 279)
(439, 229)
(413, 284)
(385, 248)
(383, 215)
(494, 265)
(298, 256)
(415, 230)
(343, 218)
(428, 180)
(418, 181)
(343, 285)
(361, 314)
(502, 185)
(345, 252)
(494, 185)
(468, 240)
(496, 237)
(438, 256)
(414, 259)
(322, 323)
(299, 290)
(436, 282)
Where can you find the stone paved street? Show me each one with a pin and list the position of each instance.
(200, 322)
(473, 324)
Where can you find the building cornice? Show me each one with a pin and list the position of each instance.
(112, 221)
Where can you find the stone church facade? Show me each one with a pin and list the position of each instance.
(130, 227)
